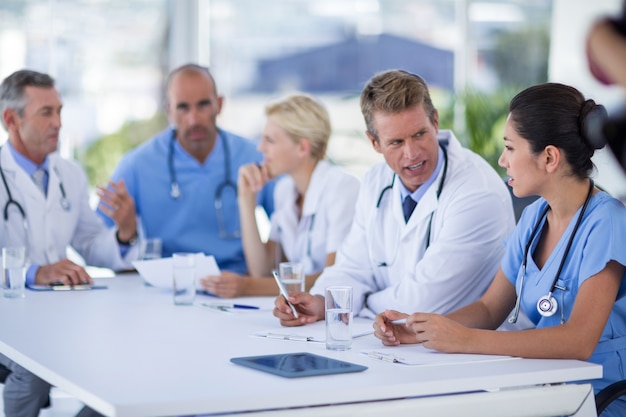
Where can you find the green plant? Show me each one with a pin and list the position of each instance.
(485, 115)
(484, 118)
(101, 157)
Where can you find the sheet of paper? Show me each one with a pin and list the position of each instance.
(418, 355)
(158, 272)
(97, 272)
(314, 332)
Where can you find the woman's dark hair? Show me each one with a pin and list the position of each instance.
(558, 115)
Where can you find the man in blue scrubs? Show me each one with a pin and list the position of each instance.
(183, 180)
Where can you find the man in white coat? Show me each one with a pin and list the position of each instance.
(49, 212)
(435, 253)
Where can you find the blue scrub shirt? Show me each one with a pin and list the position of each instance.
(601, 237)
(190, 223)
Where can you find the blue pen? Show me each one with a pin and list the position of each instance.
(227, 306)
(244, 306)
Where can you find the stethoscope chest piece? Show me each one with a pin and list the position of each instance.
(175, 191)
(547, 305)
(65, 204)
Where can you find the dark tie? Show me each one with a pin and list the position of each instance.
(407, 207)
(39, 177)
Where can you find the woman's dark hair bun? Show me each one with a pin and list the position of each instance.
(591, 120)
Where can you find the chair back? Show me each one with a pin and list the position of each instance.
(519, 203)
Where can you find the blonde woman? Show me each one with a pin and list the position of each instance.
(314, 200)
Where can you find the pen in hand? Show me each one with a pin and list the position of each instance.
(283, 292)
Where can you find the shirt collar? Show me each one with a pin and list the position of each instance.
(25, 163)
(421, 190)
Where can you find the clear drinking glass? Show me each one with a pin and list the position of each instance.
(14, 271)
(292, 276)
(338, 318)
(184, 277)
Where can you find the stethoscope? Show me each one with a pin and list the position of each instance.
(547, 305)
(227, 183)
(430, 220)
(64, 202)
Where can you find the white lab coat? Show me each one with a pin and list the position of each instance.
(387, 260)
(51, 228)
(326, 216)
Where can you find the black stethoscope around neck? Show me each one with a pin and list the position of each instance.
(175, 192)
(547, 305)
(64, 202)
(438, 193)
(12, 202)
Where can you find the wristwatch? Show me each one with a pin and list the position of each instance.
(129, 242)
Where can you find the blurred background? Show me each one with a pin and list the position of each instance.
(110, 59)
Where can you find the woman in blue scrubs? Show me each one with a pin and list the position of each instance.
(564, 262)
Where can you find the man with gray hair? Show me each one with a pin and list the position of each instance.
(45, 203)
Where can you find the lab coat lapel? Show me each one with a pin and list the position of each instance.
(315, 190)
(427, 204)
(289, 221)
(54, 191)
(17, 177)
(396, 204)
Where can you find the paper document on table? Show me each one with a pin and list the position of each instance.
(98, 272)
(314, 332)
(419, 355)
(158, 272)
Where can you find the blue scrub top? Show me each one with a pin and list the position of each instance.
(189, 223)
(601, 237)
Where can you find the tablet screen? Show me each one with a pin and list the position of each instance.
(294, 365)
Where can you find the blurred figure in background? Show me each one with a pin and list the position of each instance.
(314, 200)
(183, 181)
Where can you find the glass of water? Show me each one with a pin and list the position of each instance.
(184, 277)
(291, 276)
(151, 249)
(338, 318)
(14, 271)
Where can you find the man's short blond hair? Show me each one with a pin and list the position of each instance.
(394, 91)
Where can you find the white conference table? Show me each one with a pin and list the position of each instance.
(128, 351)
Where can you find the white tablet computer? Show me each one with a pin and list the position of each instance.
(294, 365)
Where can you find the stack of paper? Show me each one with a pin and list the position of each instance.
(158, 272)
